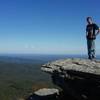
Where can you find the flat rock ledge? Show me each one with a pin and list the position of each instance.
(79, 78)
(44, 94)
(74, 64)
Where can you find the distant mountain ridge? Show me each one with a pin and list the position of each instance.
(19, 60)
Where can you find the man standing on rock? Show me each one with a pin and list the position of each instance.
(92, 30)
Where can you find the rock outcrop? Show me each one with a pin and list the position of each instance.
(80, 78)
(45, 94)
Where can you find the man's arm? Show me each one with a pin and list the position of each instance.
(86, 32)
(98, 31)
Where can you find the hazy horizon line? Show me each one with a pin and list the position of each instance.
(44, 54)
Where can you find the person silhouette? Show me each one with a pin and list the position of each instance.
(92, 30)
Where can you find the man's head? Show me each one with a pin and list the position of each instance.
(89, 20)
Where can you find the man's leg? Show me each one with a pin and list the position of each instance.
(93, 48)
(89, 48)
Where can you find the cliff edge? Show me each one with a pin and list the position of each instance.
(80, 78)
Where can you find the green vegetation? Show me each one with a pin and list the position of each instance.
(20, 80)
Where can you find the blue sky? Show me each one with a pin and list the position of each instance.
(46, 26)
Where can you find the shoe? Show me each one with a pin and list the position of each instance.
(90, 58)
(93, 56)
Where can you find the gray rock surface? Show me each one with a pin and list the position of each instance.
(77, 77)
(45, 94)
(75, 64)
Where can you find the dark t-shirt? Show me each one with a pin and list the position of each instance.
(90, 29)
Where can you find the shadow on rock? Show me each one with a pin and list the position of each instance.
(79, 85)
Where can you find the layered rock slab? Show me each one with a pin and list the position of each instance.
(78, 77)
